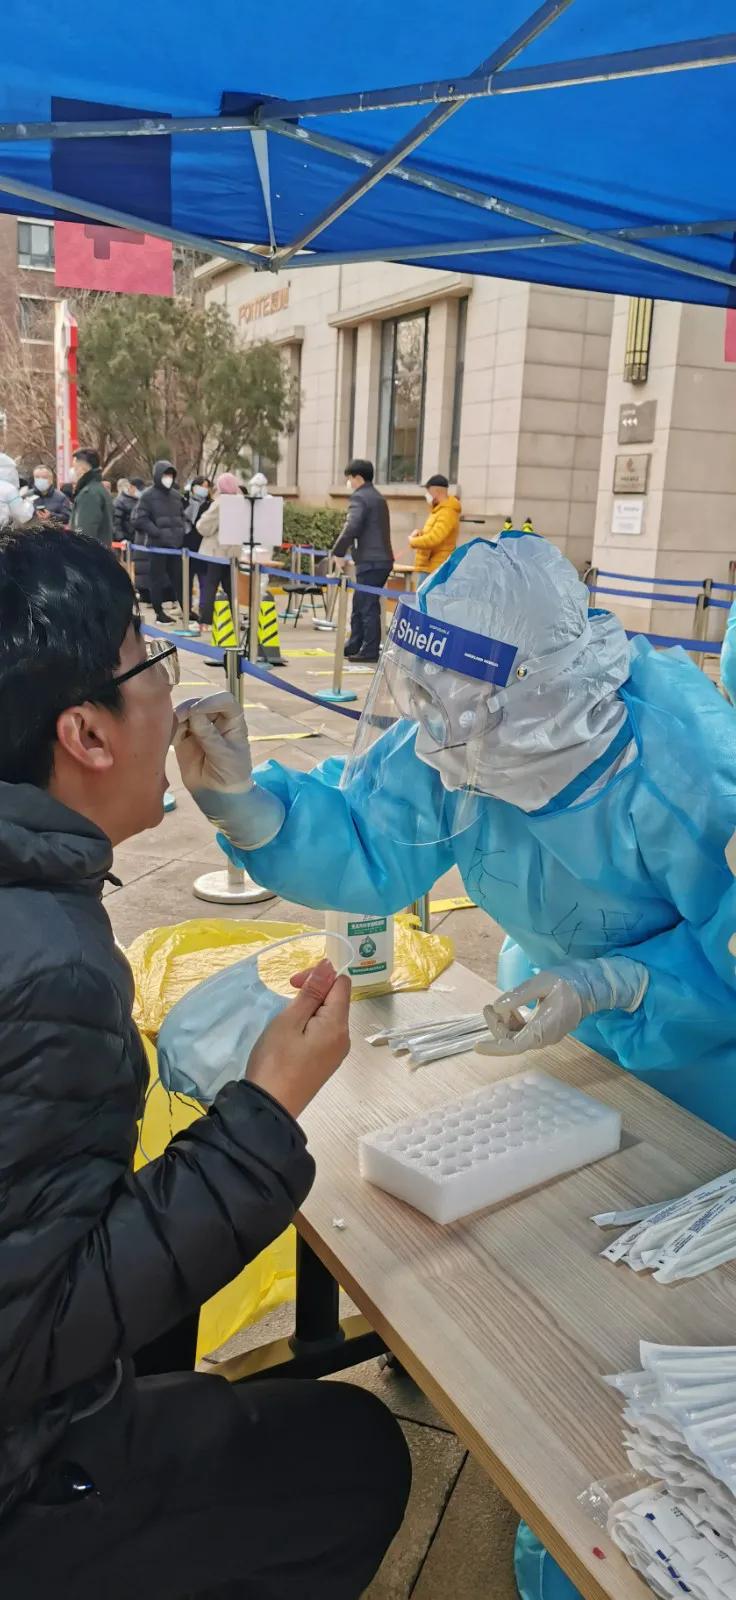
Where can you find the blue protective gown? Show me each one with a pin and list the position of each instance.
(636, 869)
(728, 657)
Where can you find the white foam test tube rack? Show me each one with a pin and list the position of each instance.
(475, 1152)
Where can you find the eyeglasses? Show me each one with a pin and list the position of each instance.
(158, 654)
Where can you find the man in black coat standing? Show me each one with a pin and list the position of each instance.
(367, 533)
(111, 1484)
(158, 521)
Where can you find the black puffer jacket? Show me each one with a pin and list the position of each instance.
(159, 516)
(94, 1261)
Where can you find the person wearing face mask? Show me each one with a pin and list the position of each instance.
(124, 504)
(196, 501)
(92, 509)
(367, 535)
(48, 500)
(584, 785)
(158, 521)
(433, 543)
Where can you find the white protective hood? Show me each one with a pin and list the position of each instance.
(560, 709)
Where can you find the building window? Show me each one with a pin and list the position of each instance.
(638, 340)
(457, 393)
(352, 382)
(36, 244)
(36, 319)
(401, 403)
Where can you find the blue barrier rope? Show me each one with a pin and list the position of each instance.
(708, 647)
(674, 583)
(247, 668)
(160, 550)
(640, 594)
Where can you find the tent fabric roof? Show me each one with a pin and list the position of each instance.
(588, 129)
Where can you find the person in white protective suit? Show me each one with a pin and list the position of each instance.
(586, 789)
(15, 508)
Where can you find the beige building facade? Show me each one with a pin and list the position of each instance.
(612, 424)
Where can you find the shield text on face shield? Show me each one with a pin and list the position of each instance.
(430, 703)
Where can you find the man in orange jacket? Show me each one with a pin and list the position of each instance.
(436, 541)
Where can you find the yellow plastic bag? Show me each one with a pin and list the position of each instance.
(167, 963)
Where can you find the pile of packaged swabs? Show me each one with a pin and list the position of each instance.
(432, 1041)
(680, 1414)
(678, 1238)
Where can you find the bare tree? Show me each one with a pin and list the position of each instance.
(27, 401)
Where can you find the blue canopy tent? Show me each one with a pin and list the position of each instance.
(584, 144)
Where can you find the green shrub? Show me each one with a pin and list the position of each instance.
(315, 525)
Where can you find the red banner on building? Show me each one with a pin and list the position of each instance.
(90, 255)
(729, 350)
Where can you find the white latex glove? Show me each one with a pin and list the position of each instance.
(212, 749)
(565, 996)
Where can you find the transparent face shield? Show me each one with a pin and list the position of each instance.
(434, 696)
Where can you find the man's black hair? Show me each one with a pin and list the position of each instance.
(65, 608)
(92, 457)
(360, 469)
(437, 481)
(138, 483)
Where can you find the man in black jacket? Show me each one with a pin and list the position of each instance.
(159, 521)
(124, 504)
(92, 508)
(367, 532)
(48, 500)
(110, 1485)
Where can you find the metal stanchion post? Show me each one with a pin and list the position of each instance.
(337, 693)
(128, 561)
(732, 572)
(591, 581)
(253, 609)
(232, 887)
(235, 602)
(185, 587)
(326, 624)
(700, 625)
(420, 908)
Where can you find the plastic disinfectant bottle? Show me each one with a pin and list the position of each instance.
(372, 939)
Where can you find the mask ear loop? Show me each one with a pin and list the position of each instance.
(302, 938)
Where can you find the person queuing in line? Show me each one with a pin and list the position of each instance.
(211, 572)
(527, 525)
(196, 500)
(367, 535)
(113, 1484)
(92, 508)
(433, 543)
(47, 499)
(158, 521)
(507, 525)
(126, 500)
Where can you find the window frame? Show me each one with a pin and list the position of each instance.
(29, 265)
(35, 300)
(457, 387)
(386, 420)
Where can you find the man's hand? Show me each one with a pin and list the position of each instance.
(299, 1051)
(212, 749)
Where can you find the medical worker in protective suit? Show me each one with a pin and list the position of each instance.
(586, 789)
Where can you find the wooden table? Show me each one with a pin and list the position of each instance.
(509, 1320)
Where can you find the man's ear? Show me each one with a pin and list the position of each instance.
(83, 733)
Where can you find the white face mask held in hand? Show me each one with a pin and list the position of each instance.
(207, 1037)
(211, 744)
